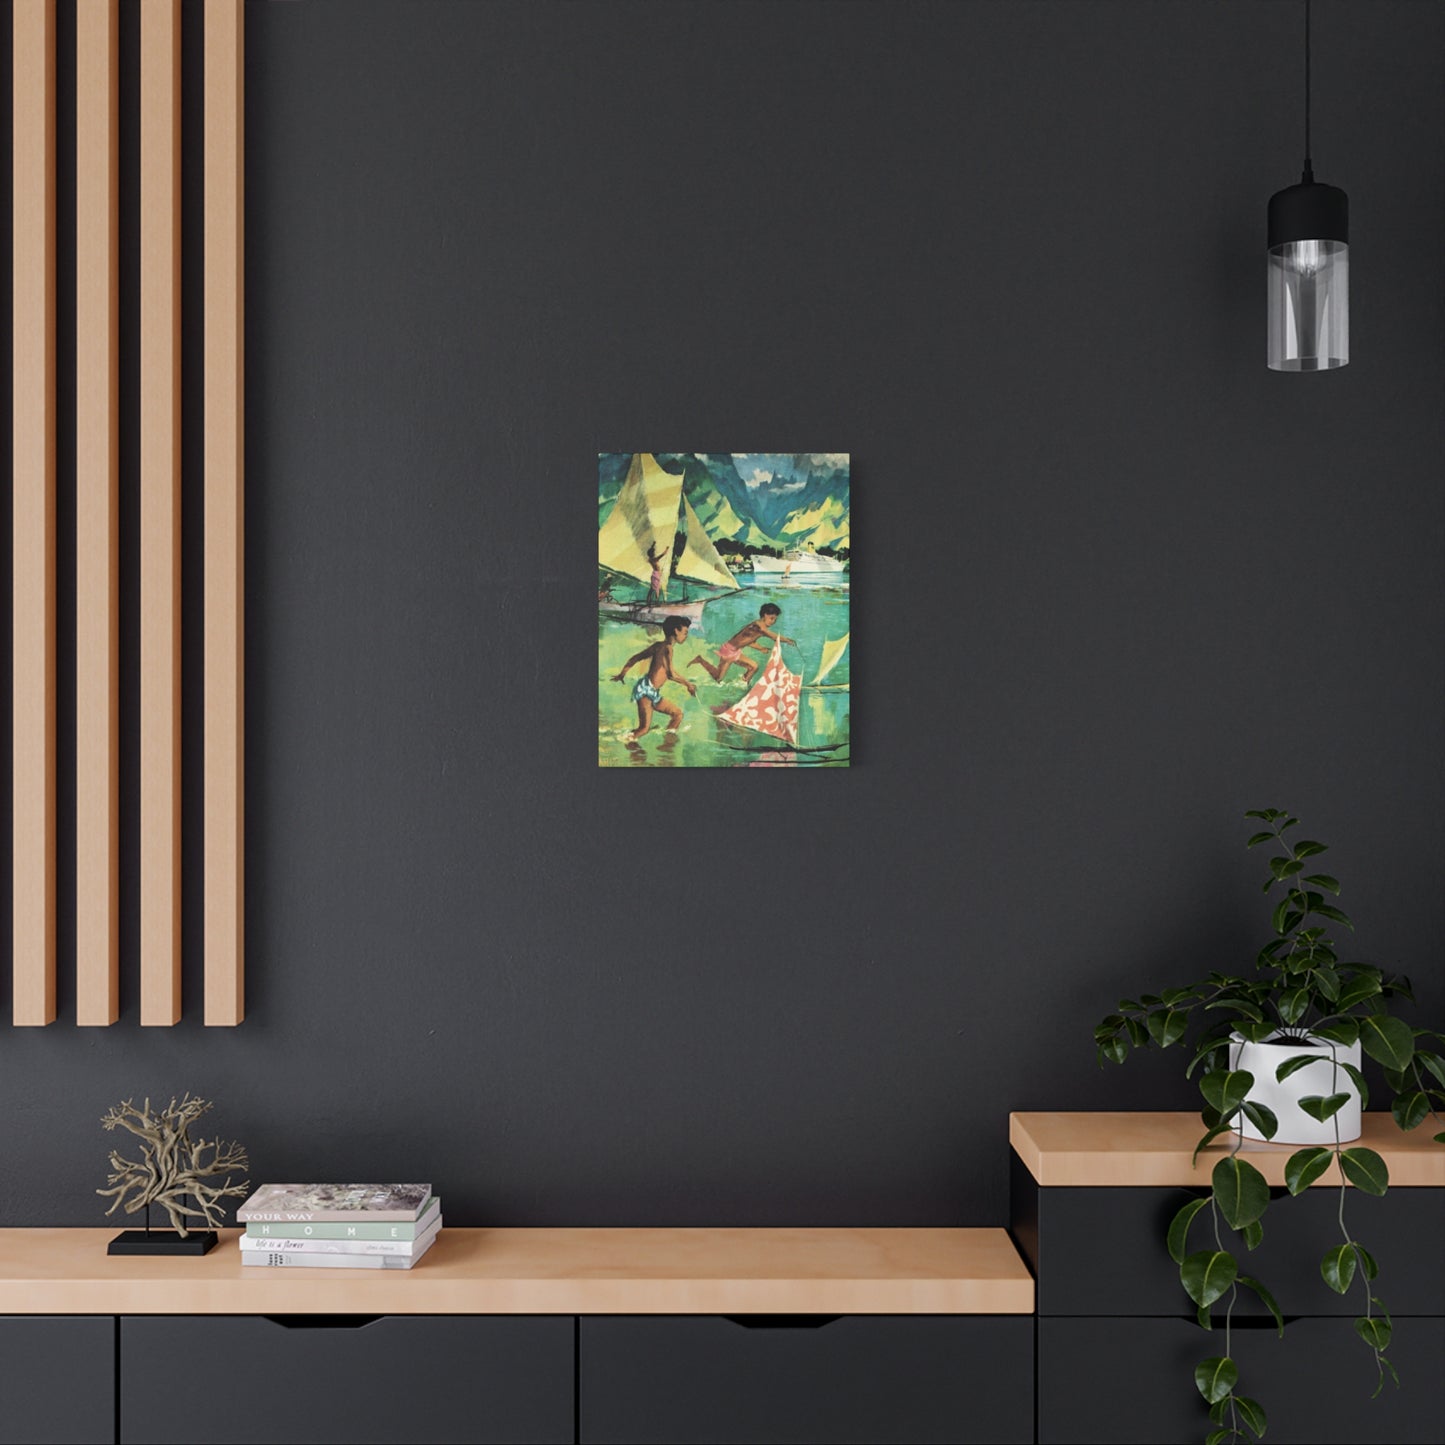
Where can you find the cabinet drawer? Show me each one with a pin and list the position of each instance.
(785, 1379)
(1118, 1381)
(317, 1378)
(1101, 1251)
(57, 1380)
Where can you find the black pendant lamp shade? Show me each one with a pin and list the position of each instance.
(1309, 267)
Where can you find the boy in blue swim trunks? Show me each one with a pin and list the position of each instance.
(647, 692)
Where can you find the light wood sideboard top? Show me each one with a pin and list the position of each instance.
(543, 1271)
(1113, 1149)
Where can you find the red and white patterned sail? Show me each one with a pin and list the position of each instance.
(770, 705)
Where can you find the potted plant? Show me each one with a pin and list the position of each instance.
(1279, 1054)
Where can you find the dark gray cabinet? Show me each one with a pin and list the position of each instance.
(1117, 1342)
(57, 1380)
(1129, 1380)
(790, 1379)
(216, 1380)
(1101, 1251)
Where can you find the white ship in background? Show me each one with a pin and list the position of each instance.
(799, 564)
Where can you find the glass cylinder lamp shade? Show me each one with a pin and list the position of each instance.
(1309, 278)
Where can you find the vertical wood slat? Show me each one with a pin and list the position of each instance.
(225, 512)
(160, 512)
(33, 503)
(97, 435)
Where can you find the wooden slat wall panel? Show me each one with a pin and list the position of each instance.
(33, 501)
(225, 511)
(160, 530)
(97, 434)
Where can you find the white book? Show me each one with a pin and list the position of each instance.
(407, 1248)
(308, 1259)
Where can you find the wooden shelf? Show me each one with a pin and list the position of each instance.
(1109, 1150)
(544, 1271)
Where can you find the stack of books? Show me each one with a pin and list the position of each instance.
(339, 1226)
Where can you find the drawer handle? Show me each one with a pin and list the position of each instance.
(782, 1322)
(322, 1322)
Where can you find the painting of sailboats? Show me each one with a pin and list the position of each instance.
(723, 591)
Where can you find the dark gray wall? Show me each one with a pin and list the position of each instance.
(1117, 584)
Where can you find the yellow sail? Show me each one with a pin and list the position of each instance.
(832, 652)
(700, 561)
(644, 515)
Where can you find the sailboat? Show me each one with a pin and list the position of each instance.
(770, 705)
(833, 651)
(647, 516)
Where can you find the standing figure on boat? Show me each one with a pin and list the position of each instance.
(657, 587)
(752, 635)
(647, 692)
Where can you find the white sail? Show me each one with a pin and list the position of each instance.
(643, 517)
(700, 560)
(832, 654)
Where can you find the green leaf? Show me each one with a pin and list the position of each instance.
(1373, 1331)
(1267, 815)
(1365, 1170)
(1166, 1026)
(1253, 1234)
(1357, 990)
(1215, 1130)
(1270, 1303)
(1335, 915)
(1358, 1080)
(1238, 1005)
(1345, 1033)
(1308, 848)
(1216, 1377)
(1338, 1267)
(1240, 1191)
(1304, 1166)
(1218, 1411)
(1387, 1040)
(1207, 1047)
(1367, 1262)
(1283, 868)
(1326, 979)
(1106, 1028)
(1323, 880)
(1259, 838)
(1178, 1237)
(1277, 920)
(1262, 1117)
(1202, 1315)
(1253, 1414)
(1439, 1138)
(1128, 1005)
(1115, 1050)
(1294, 1064)
(1226, 1089)
(1218, 1437)
(1207, 1274)
(1292, 1004)
(1411, 1110)
(1138, 1034)
(1321, 1108)
(1433, 1062)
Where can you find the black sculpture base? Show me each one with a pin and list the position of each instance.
(162, 1241)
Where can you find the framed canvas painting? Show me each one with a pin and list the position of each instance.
(723, 586)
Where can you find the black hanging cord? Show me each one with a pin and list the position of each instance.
(1309, 172)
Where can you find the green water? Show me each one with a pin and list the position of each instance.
(811, 615)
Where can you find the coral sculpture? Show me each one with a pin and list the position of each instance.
(172, 1165)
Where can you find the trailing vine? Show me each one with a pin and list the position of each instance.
(1300, 993)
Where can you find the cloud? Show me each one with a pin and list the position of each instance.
(828, 459)
(758, 478)
(791, 487)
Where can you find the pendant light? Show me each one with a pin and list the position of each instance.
(1309, 266)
